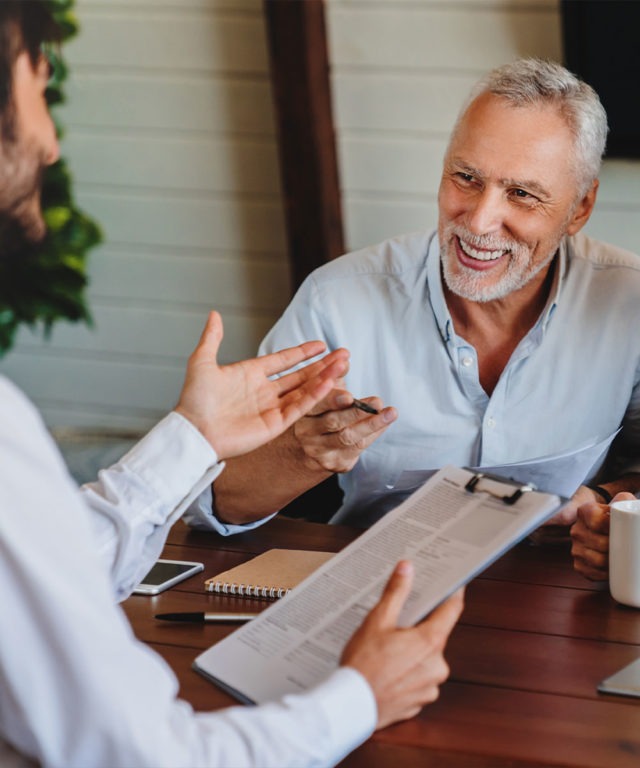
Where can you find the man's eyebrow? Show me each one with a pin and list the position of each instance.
(465, 167)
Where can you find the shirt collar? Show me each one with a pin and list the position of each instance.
(436, 294)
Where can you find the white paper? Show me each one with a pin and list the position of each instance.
(450, 535)
(557, 473)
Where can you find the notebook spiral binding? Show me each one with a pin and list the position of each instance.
(247, 590)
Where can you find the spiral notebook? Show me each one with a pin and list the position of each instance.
(272, 574)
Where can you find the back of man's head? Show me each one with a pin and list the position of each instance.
(534, 82)
(24, 26)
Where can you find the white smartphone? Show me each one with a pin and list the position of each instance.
(624, 682)
(166, 573)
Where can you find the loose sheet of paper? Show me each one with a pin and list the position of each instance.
(449, 533)
(559, 473)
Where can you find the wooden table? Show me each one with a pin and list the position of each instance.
(533, 642)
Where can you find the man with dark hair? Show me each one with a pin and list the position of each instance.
(76, 689)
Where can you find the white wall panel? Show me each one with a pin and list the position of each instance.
(243, 167)
(172, 40)
(616, 225)
(416, 167)
(420, 36)
(404, 103)
(106, 384)
(193, 221)
(207, 104)
(202, 279)
(370, 220)
(147, 333)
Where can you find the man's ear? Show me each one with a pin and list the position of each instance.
(583, 209)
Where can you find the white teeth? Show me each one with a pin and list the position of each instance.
(480, 255)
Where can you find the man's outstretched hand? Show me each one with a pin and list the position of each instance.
(238, 407)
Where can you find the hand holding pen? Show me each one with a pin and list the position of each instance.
(334, 434)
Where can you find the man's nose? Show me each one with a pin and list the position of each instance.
(52, 152)
(487, 212)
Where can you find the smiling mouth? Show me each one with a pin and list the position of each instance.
(479, 255)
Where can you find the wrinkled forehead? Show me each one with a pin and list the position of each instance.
(545, 115)
(513, 143)
(514, 130)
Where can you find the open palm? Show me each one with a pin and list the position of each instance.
(238, 407)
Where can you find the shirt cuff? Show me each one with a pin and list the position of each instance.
(201, 515)
(172, 457)
(349, 708)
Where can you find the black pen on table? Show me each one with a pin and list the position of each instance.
(363, 406)
(204, 618)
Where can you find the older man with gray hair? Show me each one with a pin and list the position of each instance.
(501, 339)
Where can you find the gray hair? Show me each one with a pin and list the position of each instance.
(528, 82)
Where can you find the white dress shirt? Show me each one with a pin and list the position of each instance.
(570, 383)
(76, 687)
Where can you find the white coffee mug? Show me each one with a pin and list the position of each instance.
(624, 552)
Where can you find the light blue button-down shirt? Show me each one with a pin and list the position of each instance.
(571, 382)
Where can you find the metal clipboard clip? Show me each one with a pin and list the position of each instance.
(472, 487)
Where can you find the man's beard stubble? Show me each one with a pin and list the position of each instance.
(471, 285)
(17, 241)
(22, 227)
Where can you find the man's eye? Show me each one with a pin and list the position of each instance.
(522, 194)
(467, 178)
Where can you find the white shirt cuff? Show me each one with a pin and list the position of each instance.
(349, 707)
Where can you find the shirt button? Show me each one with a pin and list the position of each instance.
(467, 361)
(491, 423)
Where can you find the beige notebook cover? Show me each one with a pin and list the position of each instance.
(271, 574)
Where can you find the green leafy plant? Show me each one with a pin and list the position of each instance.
(50, 285)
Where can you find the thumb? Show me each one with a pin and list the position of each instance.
(395, 595)
(211, 337)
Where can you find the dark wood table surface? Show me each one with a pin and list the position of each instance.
(534, 640)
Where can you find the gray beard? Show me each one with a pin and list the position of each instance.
(469, 285)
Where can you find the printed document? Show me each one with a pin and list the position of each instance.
(450, 533)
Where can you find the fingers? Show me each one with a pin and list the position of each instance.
(211, 337)
(335, 440)
(386, 612)
(590, 541)
(340, 399)
(438, 625)
(594, 518)
(296, 404)
(292, 381)
(281, 361)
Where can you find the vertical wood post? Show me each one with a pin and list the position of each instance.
(300, 79)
